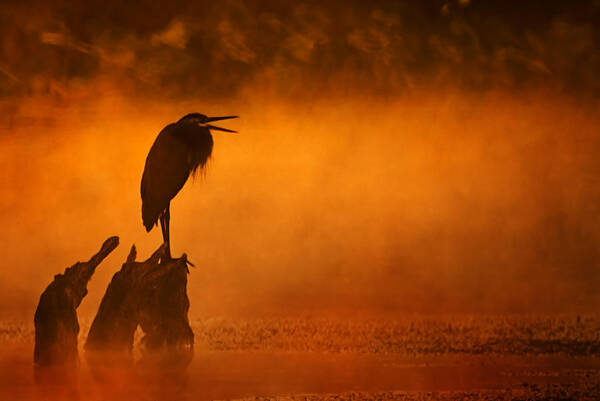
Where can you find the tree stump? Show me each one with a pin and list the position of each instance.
(152, 294)
(115, 323)
(56, 324)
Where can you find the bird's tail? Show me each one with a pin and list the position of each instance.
(148, 218)
(149, 226)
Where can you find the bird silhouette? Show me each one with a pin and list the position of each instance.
(178, 151)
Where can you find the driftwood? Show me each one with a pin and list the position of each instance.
(56, 324)
(152, 294)
(115, 323)
(163, 312)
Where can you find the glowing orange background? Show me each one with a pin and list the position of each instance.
(357, 182)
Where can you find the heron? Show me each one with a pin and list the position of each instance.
(179, 150)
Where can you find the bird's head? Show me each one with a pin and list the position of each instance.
(203, 121)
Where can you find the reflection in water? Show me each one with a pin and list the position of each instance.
(157, 375)
(229, 375)
(58, 382)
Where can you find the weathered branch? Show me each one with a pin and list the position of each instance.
(56, 324)
(152, 294)
(107, 247)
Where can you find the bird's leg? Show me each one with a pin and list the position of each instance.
(164, 222)
(161, 218)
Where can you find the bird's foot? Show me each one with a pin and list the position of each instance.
(168, 258)
(187, 262)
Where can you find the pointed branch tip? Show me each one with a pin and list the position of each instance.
(132, 254)
(107, 247)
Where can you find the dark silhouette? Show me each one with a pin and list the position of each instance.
(152, 294)
(164, 306)
(114, 326)
(178, 151)
(56, 324)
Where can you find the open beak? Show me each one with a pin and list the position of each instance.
(211, 119)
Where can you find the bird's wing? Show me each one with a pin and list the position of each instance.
(165, 173)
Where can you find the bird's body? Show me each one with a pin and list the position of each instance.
(178, 151)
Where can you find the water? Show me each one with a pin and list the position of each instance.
(241, 374)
